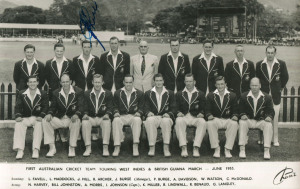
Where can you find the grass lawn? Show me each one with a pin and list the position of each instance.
(288, 151)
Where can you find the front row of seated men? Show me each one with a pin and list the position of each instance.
(161, 108)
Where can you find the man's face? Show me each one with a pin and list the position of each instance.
(97, 82)
(239, 52)
(270, 53)
(221, 85)
(65, 82)
(189, 82)
(86, 49)
(128, 83)
(159, 82)
(207, 48)
(29, 53)
(59, 52)
(114, 45)
(174, 46)
(32, 83)
(254, 86)
(143, 47)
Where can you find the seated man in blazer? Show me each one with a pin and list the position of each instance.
(173, 66)
(160, 110)
(114, 65)
(190, 105)
(98, 107)
(128, 109)
(31, 107)
(143, 66)
(256, 111)
(65, 112)
(221, 112)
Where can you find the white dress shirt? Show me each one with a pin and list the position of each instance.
(29, 66)
(59, 64)
(67, 96)
(97, 98)
(255, 99)
(221, 97)
(208, 60)
(114, 58)
(128, 96)
(27, 92)
(175, 61)
(159, 96)
(240, 64)
(270, 68)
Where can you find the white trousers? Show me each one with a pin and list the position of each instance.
(87, 125)
(154, 122)
(20, 133)
(183, 122)
(275, 123)
(64, 122)
(231, 130)
(118, 123)
(245, 125)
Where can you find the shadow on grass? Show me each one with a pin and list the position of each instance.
(288, 151)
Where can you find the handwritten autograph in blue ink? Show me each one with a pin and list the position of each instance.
(88, 24)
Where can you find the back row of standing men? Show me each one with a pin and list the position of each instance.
(115, 64)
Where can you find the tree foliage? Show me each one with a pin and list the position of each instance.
(24, 14)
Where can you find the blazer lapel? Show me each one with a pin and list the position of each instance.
(64, 67)
(260, 102)
(212, 63)
(251, 103)
(245, 68)
(28, 102)
(91, 65)
(185, 97)
(54, 68)
(218, 101)
(237, 68)
(264, 70)
(154, 100)
(70, 99)
(93, 100)
(164, 101)
(275, 69)
(34, 69)
(62, 100)
(24, 68)
(36, 100)
(225, 102)
(171, 64)
(124, 99)
(179, 65)
(132, 98)
(119, 60)
(80, 65)
(101, 99)
(194, 97)
(204, 64)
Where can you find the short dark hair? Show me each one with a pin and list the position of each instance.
(158, 75)
(33, 76)
(189, 75)
(86, 41)
(174, 39)
(208, 41)
(59, 45)
(219, 78)
(97, 76)
(29, 46)
(271, 47)
(128, 75)
(114, 37)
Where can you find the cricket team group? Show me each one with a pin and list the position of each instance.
(88, 94)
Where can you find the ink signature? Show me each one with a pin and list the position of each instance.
(283, 174)
(88, 24)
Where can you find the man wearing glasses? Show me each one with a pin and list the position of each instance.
(143, 67)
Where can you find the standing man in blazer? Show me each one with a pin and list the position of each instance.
(160, 111)
(256, 111)
(31, 107)
(273, 76)
(98, 107)
(115, 64)
(65, 112)
(128, 110)
(190, 105)
(174, 66)
(56, 67)
(239, 72)
(221, 112)
(206, 67)
(143, 66)
(85, 66)
(29, 66)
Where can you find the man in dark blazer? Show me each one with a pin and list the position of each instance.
(273, 76)
(31, 106)
(173, 66)
(98, 107)
(222, 113)
(85, 66)
(56, 67)
(206, 67)
(65, 112)
(190, 105)
(160, 112)
(29, 66)
(256, 111)
(115, 64)
(239, 72)
(128, 109)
